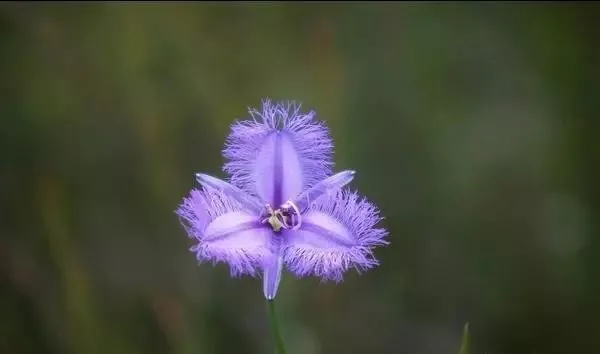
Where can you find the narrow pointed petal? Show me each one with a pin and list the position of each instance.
(248, 201)
(279, 153)
(336, 234)
(225, 231)
(329, 185)
(272, 273)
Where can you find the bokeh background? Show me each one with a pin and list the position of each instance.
(474, 127)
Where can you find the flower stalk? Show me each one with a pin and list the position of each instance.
(276, 333)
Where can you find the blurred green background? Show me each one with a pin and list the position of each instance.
(473, 126)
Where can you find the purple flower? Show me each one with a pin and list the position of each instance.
(282, 205)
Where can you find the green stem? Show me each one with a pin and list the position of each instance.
(465, 345)
(275, 327)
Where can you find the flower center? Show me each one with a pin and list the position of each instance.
(286, 217)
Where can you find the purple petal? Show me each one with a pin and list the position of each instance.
(327, 186)
(272, 271)
(279, 153)
(248, 201)
(337, 233)
(225, 231)
(277, 170)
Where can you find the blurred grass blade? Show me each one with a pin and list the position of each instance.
(464, 346)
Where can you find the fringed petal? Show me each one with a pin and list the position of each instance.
(337, 233)
(225, 231)
(279, 153)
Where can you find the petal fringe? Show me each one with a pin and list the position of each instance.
(225, 231)
(337, 233)
(250, 142)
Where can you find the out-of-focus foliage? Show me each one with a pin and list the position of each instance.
(474, 126)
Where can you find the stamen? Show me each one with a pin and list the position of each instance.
(286, 206)
(286, 217)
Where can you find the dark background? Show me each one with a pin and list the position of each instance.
(473, 126)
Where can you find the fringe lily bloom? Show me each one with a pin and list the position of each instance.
(282, 206)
